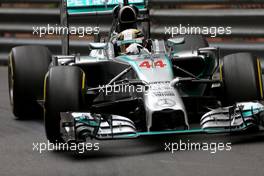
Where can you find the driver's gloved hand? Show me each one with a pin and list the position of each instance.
(134, 48)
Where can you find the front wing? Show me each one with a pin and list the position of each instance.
(78, 127)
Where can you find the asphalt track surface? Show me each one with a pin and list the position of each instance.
(143, 156)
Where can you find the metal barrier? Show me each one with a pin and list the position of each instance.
(244, 23)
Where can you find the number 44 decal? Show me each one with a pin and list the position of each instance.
(147, 64)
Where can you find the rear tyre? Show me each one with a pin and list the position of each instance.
(27, 67)
(62, 93)
(242, 78)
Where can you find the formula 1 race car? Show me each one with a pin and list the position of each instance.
(132, 85)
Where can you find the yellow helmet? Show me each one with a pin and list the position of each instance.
(128, 37)
(130, 34)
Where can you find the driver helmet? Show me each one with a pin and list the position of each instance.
(130, 41)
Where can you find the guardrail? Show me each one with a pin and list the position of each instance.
(244, 23)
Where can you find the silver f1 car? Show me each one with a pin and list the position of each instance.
(133, 85)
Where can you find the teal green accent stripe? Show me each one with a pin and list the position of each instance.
(191, 131)
(86, 6)
(88, 122)
(79, 3)
(170, 65)
(249, 113)
(199, 130)
(94, 9)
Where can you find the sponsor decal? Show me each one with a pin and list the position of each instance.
(165, 102)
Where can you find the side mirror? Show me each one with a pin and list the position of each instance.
(207, 50)
(97, 46)
(175, 41)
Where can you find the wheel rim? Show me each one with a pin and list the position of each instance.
(11, 84)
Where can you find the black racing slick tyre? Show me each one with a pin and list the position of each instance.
(27, 67)
(242, 78)
(63, 92)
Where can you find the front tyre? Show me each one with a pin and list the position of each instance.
(63, 92)
(27, 67)
(242, 78)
